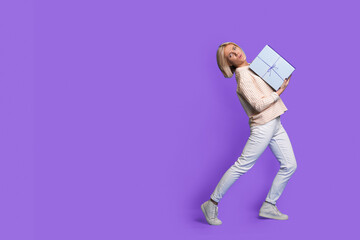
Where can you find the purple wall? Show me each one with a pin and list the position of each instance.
(116, 122)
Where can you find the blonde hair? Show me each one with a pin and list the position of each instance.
(225, 68)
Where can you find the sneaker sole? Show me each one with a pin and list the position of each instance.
(203, 210)
(272, 217)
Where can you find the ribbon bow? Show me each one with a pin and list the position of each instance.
(270, 67)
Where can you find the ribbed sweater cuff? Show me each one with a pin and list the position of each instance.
(275, 96)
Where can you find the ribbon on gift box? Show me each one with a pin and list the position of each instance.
(270, 68)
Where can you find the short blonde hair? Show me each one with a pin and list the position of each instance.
(227, 71)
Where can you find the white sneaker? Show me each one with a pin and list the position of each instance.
(210, 211)
(269, 210)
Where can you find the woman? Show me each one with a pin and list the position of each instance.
(263, 106)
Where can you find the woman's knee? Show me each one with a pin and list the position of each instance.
(290, 167)
(242, 166)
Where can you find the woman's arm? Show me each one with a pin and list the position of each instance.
(253, 96)
(283, 85)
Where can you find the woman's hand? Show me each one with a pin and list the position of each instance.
(283, 86)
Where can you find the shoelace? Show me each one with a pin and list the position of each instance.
(215, 212)
(277, 210)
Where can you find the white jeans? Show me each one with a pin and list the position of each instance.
(271, 133)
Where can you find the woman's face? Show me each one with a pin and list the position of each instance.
(234, 55)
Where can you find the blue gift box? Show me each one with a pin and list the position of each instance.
(271, 67)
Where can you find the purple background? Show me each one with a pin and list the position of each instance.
(116, 122)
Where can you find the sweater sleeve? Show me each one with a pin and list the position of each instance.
(253, 96)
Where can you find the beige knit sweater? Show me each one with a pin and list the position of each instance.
(260, 102)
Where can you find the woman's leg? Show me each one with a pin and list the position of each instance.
(281, 146)
(259, 139)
